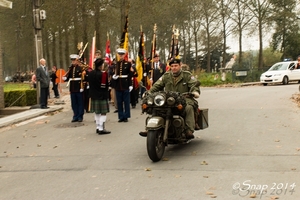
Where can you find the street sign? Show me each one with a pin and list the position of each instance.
(6, 4)
(241, 73)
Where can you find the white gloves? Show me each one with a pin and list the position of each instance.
(81, 90)
(145, 74)
(64, 78)
(88, 87)
(130, 88)
(196, 94)
(115, 77)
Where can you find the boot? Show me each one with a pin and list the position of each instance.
(189, 135)
(143, 133)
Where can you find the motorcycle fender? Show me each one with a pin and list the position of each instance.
(155, 123)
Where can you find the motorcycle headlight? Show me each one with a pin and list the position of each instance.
(171, 101)
(159, 100)
(150, 101)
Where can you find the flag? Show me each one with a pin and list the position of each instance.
(140, 58)
(92, 52)
(174, 48)
(124, 38)
(107, 52)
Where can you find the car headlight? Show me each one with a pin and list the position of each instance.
(150, 101)
(159, 100)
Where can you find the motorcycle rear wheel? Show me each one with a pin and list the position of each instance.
(155, 145)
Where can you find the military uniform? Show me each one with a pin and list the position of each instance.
(75, 84)
(183, 82)
(122, 87)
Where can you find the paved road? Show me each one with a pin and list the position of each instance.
(252, 144)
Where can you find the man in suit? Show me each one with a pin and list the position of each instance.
(158, 68)
(42, 76)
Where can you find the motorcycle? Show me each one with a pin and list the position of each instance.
(165, 122)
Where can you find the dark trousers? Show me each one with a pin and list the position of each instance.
(77, 105)
(55, 89)
(134, 96)
(123, 100)
(44, 97)
(86, 100)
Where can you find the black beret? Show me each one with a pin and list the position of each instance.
(175, 61)
(99, 62)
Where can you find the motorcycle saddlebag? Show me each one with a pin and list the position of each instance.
(203, 118)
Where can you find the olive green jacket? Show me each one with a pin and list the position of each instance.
(185, 82)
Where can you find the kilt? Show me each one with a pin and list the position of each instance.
(99, 106)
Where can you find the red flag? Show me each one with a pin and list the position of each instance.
(107, 53)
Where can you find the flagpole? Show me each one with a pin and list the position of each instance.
(153, 51)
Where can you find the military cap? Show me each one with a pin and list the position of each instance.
(156, 55)
(98, 51)
(98, 62)
(175, 61)
(74, 56)
(121, 51)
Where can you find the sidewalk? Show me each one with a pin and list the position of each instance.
(54, 105)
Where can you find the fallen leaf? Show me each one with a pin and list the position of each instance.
(204, 162)
(298, 149)
(205, 176)
(209, 193)
(213, 196)
(165, 159)
(147, 169)
(274, 197)
(293, 168)
(39, 145)
(54, 147)
(253, 195)
(277, 140)
(177, 176)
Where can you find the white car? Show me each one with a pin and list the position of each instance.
(281, 72)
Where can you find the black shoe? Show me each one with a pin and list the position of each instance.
(125, 120)
(74, 120)
(189, 135)
(103, 132)
(143, 133)
(44, 107)
(80, 120)
(115, 111)
(121, 120)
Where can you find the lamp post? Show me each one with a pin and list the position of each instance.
(6, 4)
(38, 17)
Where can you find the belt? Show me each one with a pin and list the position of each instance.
(123, 76)
(73, 79)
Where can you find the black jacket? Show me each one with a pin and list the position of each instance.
(97, 91)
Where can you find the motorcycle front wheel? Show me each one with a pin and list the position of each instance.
(155, 144)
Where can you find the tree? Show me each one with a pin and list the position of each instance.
(285, 25)
(261, 12)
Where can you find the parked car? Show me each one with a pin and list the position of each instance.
(8, 79)
(281, 72)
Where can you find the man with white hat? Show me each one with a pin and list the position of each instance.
(122, 77)
(74, 77)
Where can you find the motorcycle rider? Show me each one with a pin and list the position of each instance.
(181, 81)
